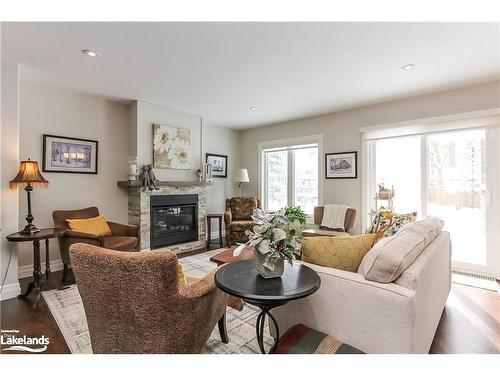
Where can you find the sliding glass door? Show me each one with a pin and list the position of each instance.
(443, 175)
(456, 192)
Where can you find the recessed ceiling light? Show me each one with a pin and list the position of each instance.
(252, 108)
(408, 66)
(89, 52)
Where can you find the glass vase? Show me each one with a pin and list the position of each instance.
(276, 269)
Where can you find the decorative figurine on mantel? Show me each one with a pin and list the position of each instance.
(132, 169)
(148, 178)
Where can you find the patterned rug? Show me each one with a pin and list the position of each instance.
(67, 309)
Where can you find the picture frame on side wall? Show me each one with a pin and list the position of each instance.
(341, 165)
(218, 164)
(69, 155)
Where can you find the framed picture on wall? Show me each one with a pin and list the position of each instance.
(171, 147)
(341, 165)
(218, 163)
(69, 155)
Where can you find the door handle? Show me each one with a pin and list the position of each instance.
(486, 196)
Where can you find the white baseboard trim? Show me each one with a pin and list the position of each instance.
(10, 291)
(27, 271)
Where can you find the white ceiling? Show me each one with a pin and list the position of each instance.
(285, 70)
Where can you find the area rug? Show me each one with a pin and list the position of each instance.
(67, 309)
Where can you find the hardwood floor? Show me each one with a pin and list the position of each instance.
(470, 321)
(18, 314)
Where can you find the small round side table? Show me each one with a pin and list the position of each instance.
(43, 234)
(241, 279)
(209, 228)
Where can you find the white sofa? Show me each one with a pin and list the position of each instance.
(399, 317)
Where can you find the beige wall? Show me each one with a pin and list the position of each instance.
(9, 165)
(56, 111)
(222, 141)
(341, 132)
(148, 114)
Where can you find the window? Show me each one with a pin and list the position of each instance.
(290, 177)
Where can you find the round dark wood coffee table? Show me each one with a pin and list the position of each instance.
(241, 279)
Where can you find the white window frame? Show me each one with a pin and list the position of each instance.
(289, 144)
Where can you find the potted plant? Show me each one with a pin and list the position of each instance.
(275, 237)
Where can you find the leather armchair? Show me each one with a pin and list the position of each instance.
(124, 237)
(238, 218)
(134, 302)
(349, 222)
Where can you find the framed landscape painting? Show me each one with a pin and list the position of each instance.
(69, 155)
(218, 163)
(341, 165)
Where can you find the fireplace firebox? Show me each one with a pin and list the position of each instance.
(174, 219)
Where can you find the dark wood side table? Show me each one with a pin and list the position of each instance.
(209, 228)
(43, 234)
(241, 279)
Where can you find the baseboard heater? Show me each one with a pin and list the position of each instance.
(478, 280)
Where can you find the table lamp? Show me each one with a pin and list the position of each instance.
(240, 176)
(29, 175)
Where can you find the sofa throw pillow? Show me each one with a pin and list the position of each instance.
(181, 274)
(95, 225)
(387, 222)
(344, 253)
(391, 256)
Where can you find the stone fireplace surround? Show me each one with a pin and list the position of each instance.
(139, 210)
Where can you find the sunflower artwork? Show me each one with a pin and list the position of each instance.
(171, 147)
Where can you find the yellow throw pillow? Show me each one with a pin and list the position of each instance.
(182, 275)
(95, 225)
(344, 253)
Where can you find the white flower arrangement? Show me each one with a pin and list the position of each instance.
(275, 235)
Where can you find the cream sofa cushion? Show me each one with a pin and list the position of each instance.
(387, 260)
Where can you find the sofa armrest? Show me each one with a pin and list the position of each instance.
(126, 230)
(228, 217)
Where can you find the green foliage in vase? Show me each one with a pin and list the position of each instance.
(296, 213)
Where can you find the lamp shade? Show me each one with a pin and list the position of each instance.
(29, 174)
(241, 175)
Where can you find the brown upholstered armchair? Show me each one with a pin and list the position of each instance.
(124, 237)
(238, 218)
(134, 302)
